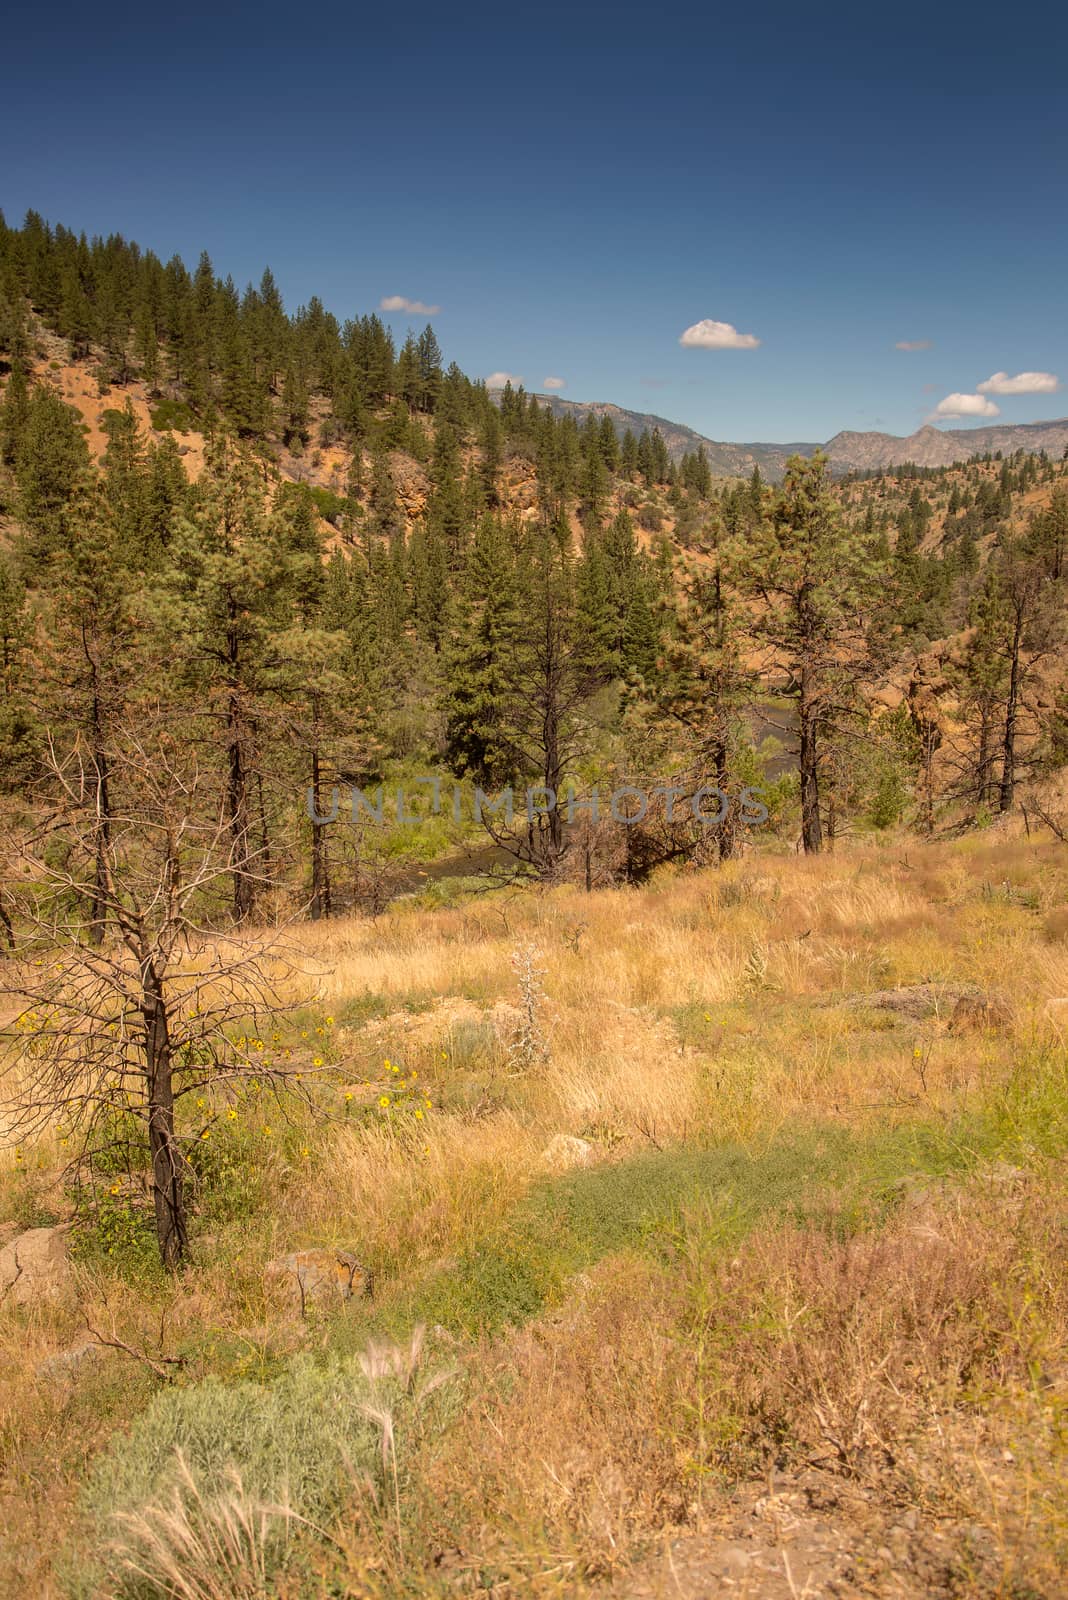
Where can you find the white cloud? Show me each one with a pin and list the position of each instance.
(1023, 383)
(965, 405)
(709, 335)
(913, 344)
(497, 380)
(554, 383)
(400, 302)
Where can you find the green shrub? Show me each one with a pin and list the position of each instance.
(172, 414)
(302, 1442)
(330, 506)
(116, 1228)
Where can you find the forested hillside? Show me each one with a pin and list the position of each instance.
(410, 1184)
(298, 559)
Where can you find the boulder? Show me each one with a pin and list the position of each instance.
(326, 1278)
(65, 1365)
(981, 1013)
(35, 1266)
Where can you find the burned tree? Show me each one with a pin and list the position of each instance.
(129, 1002)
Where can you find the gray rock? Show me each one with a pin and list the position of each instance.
(35, 1266)
(318, 1277)
(66, 1364)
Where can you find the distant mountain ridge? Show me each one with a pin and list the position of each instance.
(941, 447)
(847, 451)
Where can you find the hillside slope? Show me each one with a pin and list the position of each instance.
(726, 460)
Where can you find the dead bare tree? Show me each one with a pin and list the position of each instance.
(131, 1025)
(1057, 825)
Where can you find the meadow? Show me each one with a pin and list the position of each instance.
(717, 1231)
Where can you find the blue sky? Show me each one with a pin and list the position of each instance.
(576, 187)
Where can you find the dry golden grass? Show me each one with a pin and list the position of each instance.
(924, 1365)
(711, 1007)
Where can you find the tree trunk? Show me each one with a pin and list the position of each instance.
(98, 916)
(545, 833)
(725, 840)
(265, 838)
(98, 894)
(320, 900)
(167, 1189)
(237, 810)
(238, 799)
(811, 831)
(1008, 747)
(985, 759)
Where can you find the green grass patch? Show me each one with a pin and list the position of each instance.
(823, 1177)
(372, 1006)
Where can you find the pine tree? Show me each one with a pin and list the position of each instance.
(14, 410)
(628, 456)
(19, 729)
(50, 459)
(146, 345)
(385, 522)
(446, 514)
(75, 317)
(428, 576)
(295, 429)
(428, 358)
(490, 445)
(166, 493)
(480, 660)
(126, 484)
(815, 584)
(1047, 536)
(407, 382)
(228, 594)
(88, 660)
(702, 687)
(983, 685)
